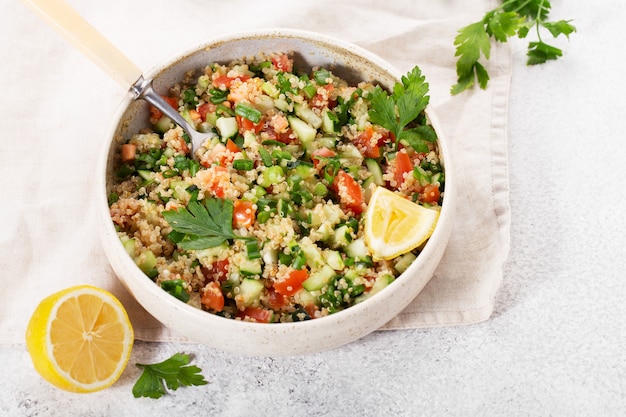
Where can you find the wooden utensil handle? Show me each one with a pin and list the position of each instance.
(62, 17)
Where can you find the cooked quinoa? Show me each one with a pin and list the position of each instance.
(263, 223)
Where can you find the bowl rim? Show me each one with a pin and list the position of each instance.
(439, 237)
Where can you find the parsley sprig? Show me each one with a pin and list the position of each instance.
(511, 18)
(200, 226)
(171, 373)
(396, 111)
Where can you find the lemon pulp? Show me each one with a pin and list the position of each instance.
(80, 339)
(395, 225)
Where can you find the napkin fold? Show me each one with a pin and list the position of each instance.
(49, 237)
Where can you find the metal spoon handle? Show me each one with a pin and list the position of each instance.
(143, 89)
(62, 17)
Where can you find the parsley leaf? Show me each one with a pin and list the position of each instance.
(512, 18)
(562, 27)
(418, 136)
(540, 52)
(202, 225)
(394, 112)
(171, 373)
(470, 42)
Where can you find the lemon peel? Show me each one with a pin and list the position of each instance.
(395, 225)
(80, 339)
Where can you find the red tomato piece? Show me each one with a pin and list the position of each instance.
(431, 193)
(183, 145)
(232, 146)
(349, 192)
(321, 152)
(311, 309)
(244, 214)
(206, 108)
(324, 100)
(155, 114)
(292, 283)
(284, 137)
(195, 115)
(225, 81)
(385, 136)
(218, 271)
(219, 179)
(363, 141)
(275, 300)
(403, 166)
(128, 152)
(282, 63)
(258, 314)
(212, 296)
(246, 125)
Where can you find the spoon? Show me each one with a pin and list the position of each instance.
(76, 30)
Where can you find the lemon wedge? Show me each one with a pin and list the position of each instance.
(395, 225)
(80, 339)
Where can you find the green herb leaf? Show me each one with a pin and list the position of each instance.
(503, 25)
(471, 41)
(175, 287)
(562, 27)
(418, 137)
(171, 373)
(203, 225)
(540, 52)
(394, 112)
(512, 18)
(411, 96)
(529, 9)
(383, 110)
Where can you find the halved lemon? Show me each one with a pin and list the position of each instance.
(395, 225)
(80, 339)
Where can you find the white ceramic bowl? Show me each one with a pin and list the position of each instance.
(349, 62)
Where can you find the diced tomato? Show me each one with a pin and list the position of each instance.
(385, 136)
(218, 271)
(220, 154)
(226, 81)
(292, 283)
(172, 101)
(217, 180)
(259, 314)
(282, 63)
(403, 166)
(321, 152)
(206, 108)
(183, 145)
(195, 115)
(324, 100)
(275, 300)
(363, 141)
(244, 213)
(155, 114)
(128, 152)
(349, 191)
(212, 296)
(310, 309)
(285, 137)
(431, 193)
(246, 125)
(232, 146)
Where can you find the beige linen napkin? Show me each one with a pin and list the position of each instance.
(464, 286)
(49, 238)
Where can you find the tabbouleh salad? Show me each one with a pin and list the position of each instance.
(264, 222)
